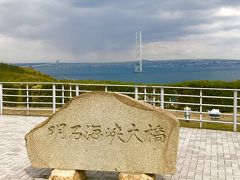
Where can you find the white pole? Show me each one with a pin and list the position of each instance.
(1, 99)
(70, 92)
(154, 99)
(27, 94)
(54, 97)
(136, 92)
(145, 94)
(200, 108)
(77, 90)
(63, 94)
(235, 111)
(162, 98)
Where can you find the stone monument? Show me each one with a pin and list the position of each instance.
(105, 131)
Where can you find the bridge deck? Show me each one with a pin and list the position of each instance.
(203, 154)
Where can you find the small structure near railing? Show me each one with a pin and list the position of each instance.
(187, 113)
(215, 114)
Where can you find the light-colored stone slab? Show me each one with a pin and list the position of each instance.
(106, 132)
(135, 176)
(58, 174)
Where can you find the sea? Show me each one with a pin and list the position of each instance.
(154, 72)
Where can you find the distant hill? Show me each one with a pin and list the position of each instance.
(25, 74)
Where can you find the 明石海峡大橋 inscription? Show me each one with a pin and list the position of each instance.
(97, 132)
(109, 132)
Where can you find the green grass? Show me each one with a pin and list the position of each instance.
(209, 84)
(98, 82)
(208, 125)
(11, 73)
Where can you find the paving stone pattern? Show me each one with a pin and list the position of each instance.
(202, 154)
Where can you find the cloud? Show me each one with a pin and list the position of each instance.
(207, 46)
(228, 12)
(87, 31)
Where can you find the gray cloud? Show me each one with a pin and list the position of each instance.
(96, 30)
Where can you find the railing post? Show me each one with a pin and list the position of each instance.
(70, 91)
(1, 99)
(106, 88)
(136, 92)
(235, 110)
(154, 91)
(162, 98)
(77, 90)
(62, 93)
(54, 97)
(27, 95)
(200, 108)
(145, 94)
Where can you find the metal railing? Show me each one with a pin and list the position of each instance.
(41, 96)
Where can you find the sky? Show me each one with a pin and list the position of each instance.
(104, 30)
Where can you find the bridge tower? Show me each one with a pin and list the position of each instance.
(138, 66)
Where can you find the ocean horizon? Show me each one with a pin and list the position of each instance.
(154, 72)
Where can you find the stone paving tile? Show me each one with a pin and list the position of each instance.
(202, 154)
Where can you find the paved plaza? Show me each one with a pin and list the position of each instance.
(202, 154)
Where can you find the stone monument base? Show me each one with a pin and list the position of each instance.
(58, 174)
(135, 176)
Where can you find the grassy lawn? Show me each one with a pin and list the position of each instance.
(207, 125)
(188, 124)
